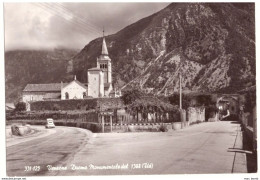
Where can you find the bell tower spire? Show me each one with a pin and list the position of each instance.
(104, 45)
(104, 62)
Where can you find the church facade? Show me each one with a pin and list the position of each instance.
(100, 77)
(99, 84)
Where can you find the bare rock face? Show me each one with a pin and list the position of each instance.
(211, 44)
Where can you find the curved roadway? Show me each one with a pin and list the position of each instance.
(56, 148)
(202, 148)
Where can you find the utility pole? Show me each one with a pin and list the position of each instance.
(180, 91)
(182, 112)
(180, 78)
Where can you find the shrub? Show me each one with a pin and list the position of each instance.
(72, 104)
(131, 95)
(20, 106)
(175, 100)
(163, 128)
(195, 122)
(56, 107)
(78, 106)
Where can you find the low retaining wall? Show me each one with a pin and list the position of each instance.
(145, 127)
(250, 132)
(196, 114)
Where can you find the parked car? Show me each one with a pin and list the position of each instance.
(50, 123)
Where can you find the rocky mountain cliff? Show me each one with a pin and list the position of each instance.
(211, 44)
(33, 66)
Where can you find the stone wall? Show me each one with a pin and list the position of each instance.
(249, 123)
(195, 114)
(143, 127)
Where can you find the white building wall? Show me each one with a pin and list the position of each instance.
(101, 84)
(74, 90)
(32, 96)
(107, 91)
(95, 84)
(109, 69)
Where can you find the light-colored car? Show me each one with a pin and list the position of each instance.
(50, 123)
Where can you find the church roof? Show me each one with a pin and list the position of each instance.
(79, 83)
(94, 69)
(104, 47)
(43, 87)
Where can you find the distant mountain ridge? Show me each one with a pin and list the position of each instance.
(215, 43)
(212, 44)
(34, 66)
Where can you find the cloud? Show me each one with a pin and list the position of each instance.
(68, 25)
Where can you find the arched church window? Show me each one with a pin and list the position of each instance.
(84, 94)
(67, 95)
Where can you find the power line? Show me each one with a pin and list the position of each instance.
(81, 18)
(61, 16)
(66, 13)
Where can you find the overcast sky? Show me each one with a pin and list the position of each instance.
(69, 25)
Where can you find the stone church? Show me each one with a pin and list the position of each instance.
(99, 84)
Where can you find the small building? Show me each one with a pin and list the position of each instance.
(41, 92)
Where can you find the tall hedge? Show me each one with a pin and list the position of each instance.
(77, 104)
(73, 104)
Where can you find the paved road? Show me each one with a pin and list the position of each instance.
(24, 157)
(202, 148)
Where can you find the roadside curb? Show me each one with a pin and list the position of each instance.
(239, 164)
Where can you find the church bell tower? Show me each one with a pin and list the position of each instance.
(104, 62)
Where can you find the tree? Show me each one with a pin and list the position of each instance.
(20, 106)
(250, 101)
(131, 95)
(205, 100)
(175, 100)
